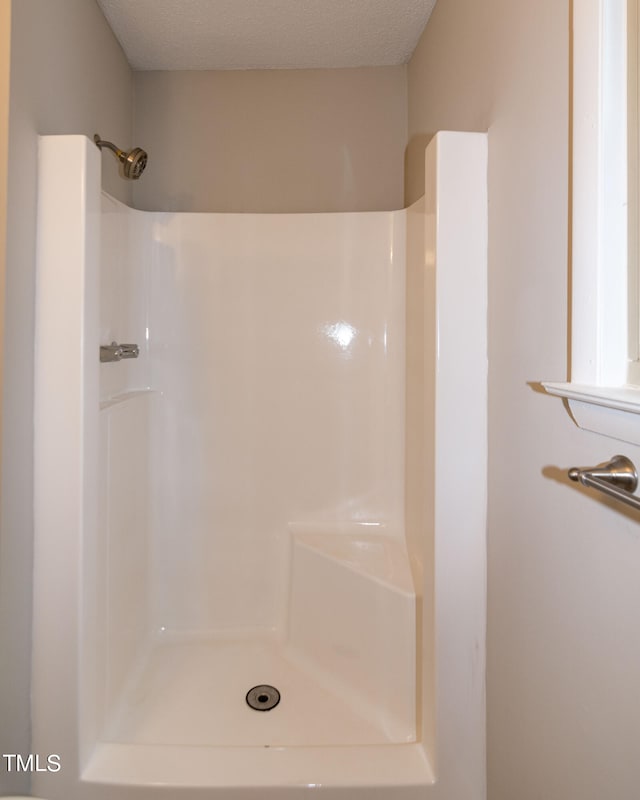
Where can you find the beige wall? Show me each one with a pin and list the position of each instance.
(564, 642)
(5, 600)
(5, 59)
(68, 75)
(272, 140)
(564, 593)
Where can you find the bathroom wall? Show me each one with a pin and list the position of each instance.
(68, 75)
(564, 647)
(5, 51)
(272, 140)
(563, 634)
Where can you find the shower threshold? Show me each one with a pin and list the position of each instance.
(385, 772)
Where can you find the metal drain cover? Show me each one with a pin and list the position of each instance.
(263, 697)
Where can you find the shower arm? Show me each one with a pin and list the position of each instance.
(104, 143)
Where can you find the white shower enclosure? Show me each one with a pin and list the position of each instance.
(284, 490)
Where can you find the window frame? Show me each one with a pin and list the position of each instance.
(603, 298)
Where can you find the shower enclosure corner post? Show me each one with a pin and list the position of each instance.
(65, 633)
(457, 201)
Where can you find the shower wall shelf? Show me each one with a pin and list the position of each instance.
(125, 397)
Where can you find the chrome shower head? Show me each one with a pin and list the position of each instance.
(133, 161)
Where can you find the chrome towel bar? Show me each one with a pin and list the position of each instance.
(617, 478)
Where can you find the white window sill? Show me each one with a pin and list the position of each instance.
(610, 410)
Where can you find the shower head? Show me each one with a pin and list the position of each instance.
(133, 161)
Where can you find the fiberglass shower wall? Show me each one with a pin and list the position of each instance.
(277, 342)
(252, 468)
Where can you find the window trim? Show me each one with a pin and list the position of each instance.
(599, 395)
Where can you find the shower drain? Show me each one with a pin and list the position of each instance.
(263, 698)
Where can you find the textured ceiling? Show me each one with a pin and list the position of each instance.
(266, 34)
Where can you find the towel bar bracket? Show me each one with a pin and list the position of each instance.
(618, 478)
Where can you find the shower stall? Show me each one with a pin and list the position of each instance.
(260, 493)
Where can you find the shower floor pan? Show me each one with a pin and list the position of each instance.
(192, 692)
(186, 725)
(346, 677)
